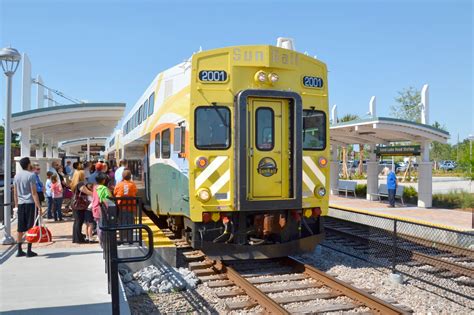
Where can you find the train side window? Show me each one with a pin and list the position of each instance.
(165, 144)
(183, 139)
(212, 128)
(157, 145)
(177, 139)
(145, 110)
(151, 104)
(140, 115)
(265, 126)
(314, 130)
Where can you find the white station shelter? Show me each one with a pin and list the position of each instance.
(384, 131)
(45, 128)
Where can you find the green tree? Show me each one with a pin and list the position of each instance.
(440, 151)
(348, 117)
(349, 149)
(408, 105)
(15, 137)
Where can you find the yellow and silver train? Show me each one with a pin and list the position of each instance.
(234, 143)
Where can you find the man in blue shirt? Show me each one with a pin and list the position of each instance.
(39, 183)
(392, 187)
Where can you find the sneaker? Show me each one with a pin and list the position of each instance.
(31, 254)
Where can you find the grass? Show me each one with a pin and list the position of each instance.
(454, 200)
(410, 195)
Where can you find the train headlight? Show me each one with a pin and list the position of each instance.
(320, 192)
(323, 162)
(204, 194)
(201, 162)
(261, 76)
(273, 78)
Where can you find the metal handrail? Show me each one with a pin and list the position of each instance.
(132, 227)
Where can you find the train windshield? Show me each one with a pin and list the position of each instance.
(314, 130)
(212, 127)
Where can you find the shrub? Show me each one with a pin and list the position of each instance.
(361, 190)
(410, 195)
(453, 200)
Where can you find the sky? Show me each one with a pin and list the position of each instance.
(110, 51)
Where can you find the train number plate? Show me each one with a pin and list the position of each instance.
(212, 76)
(313, 82)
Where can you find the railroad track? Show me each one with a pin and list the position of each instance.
(282, 286)
(446, 261)
(279, 286)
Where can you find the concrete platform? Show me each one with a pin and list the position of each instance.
(457, 220)
(64, 278)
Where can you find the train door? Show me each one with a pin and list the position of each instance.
(269, 149)
(146, 172)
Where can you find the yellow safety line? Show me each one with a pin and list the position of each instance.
(159, 238)
(394, 217)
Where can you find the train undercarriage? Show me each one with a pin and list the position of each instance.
(252, 234)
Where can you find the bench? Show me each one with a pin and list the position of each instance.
(347, 186)
(383, 192)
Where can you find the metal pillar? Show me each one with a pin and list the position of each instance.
(88, 153)
(39, 151)
(7, 238)
(334, 170)
(25, 141)
(372, 174)
(425, 178)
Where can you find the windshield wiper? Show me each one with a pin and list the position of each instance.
(221, 117)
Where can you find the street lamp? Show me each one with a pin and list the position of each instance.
(10, 59)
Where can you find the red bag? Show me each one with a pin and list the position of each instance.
(68, 193)
(38, 234)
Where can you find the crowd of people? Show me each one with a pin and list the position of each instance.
(77, 187)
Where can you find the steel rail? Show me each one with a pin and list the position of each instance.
(437, 262)
(348, 290)
(251, 290)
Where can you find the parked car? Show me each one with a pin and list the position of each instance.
(400, 167)
(447, 166)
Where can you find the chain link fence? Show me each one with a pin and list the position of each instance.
(440, 257)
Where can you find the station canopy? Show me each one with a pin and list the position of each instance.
(66, 122)
(384, 130)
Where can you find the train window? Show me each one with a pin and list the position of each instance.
(145, 110)
(151, 104)
(177, 139)
(165, 144)
(140, 115)
(212, 128)
(183, 139)
(157, 145)
(265, 126)
(314, 130)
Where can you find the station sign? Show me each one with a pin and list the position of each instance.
(399, 150)
(95, 148)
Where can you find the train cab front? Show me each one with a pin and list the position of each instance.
(260, 154)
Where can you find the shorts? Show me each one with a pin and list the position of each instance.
(41, 196)
(88, 218)
(26, 216)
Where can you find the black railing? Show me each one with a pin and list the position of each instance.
(118, 229)
(436, 255)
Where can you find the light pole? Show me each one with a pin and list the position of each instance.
(10, 59)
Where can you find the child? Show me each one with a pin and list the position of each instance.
(100, 194)
(48, 192)
(57, 194)
(126, 188)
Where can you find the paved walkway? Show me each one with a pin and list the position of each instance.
(458, 219)
(64, 278)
